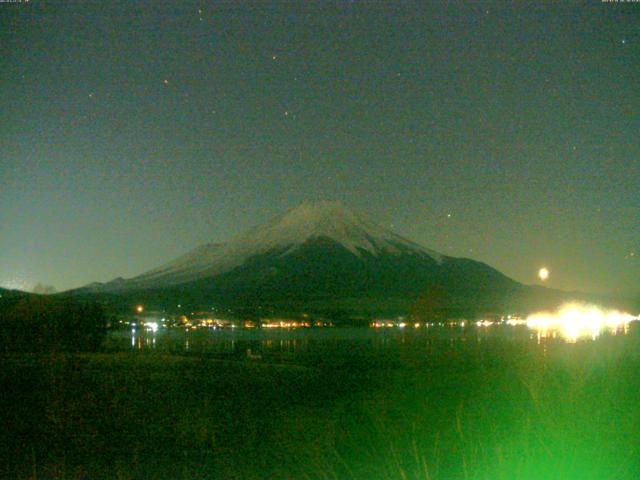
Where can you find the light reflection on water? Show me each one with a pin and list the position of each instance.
(574, 321)
(574, 333)
(290, 344)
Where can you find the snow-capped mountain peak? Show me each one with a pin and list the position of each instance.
(284, 235)
(328, 220)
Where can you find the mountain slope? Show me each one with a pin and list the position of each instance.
(282, 236)
(321, 254)
(323, 272)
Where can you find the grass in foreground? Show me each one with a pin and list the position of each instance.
(495, 410)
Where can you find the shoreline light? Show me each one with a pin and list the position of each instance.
(574, 320)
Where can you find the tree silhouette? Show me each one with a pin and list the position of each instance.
(38, 323)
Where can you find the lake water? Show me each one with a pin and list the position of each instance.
(349, 343)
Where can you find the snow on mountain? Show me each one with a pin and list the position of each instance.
(330, 220)
(285, 234)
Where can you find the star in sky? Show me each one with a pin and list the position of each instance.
(416, 104)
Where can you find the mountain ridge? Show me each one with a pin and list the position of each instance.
(320, 256)
(286, 233)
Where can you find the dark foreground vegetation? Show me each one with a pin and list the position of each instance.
(496, 409)
(39, 323)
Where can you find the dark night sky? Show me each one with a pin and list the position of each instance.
(131, 132)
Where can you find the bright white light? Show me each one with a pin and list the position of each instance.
(153, 326)
(543, 273)
(484, 323)
(514, 321)
(575, 321)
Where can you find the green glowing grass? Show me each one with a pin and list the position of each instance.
(492, 410)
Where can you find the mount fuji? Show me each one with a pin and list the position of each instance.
(325, 256)
(283, 236)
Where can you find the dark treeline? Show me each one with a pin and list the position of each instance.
(36, 323)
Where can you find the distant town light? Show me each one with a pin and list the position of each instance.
(139, 309)
(573, 321)
(153, 326)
